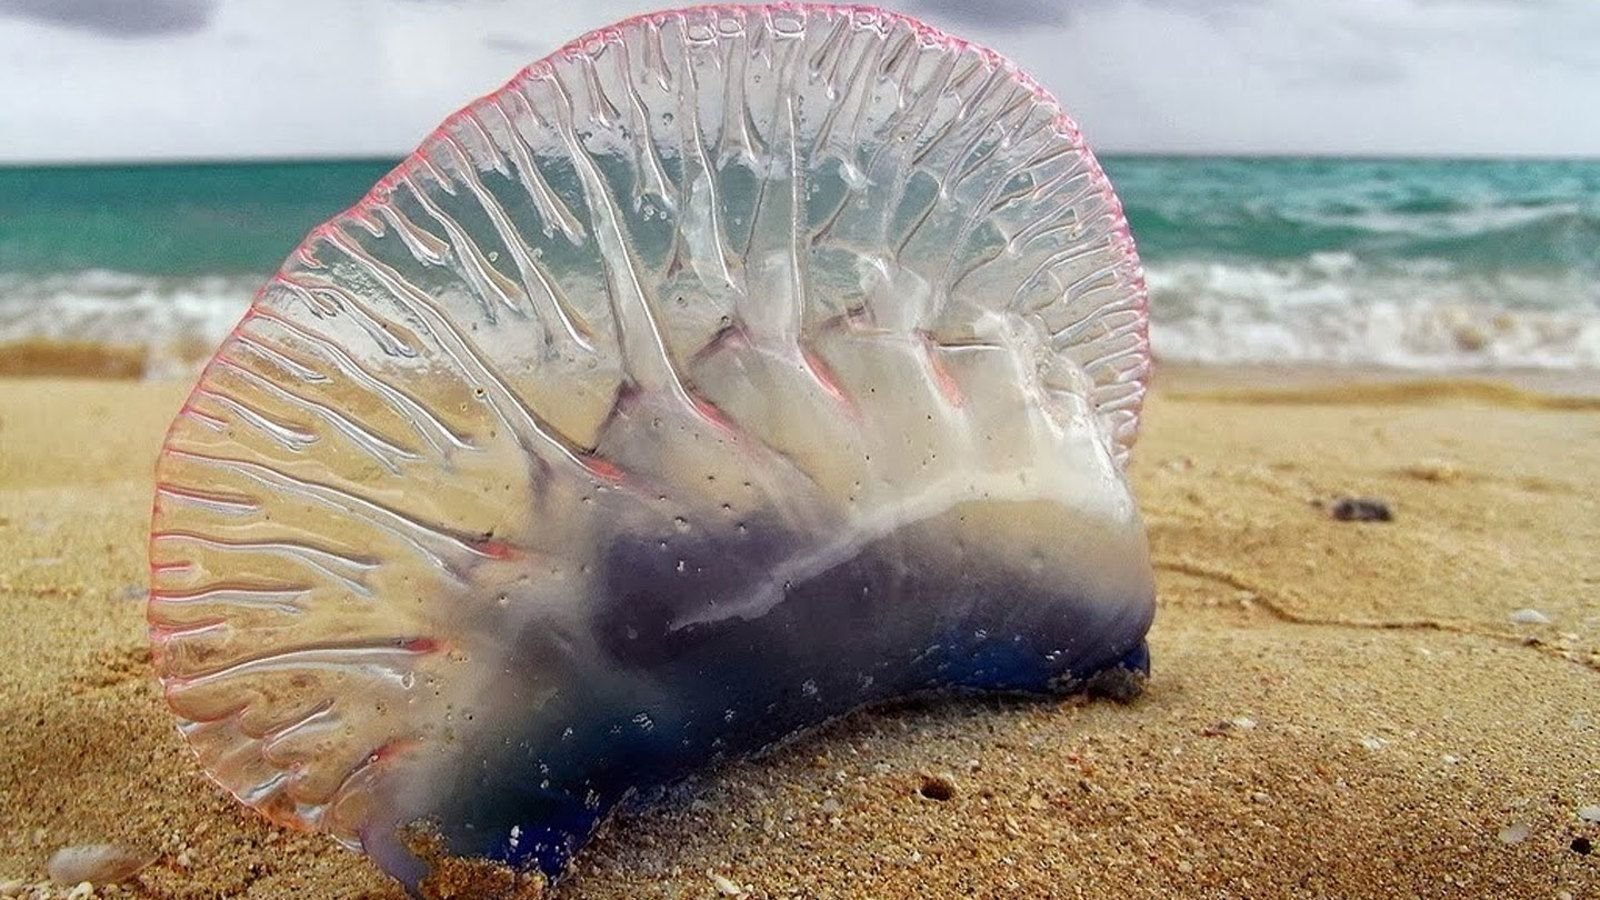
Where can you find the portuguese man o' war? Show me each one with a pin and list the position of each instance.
(728, 370)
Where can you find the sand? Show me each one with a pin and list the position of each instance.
(40, 356)
(1337, 709)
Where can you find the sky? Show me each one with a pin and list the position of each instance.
(104, 80)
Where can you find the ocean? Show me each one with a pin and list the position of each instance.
(1415, 264)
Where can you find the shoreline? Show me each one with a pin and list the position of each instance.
(90, 360)
(1191, 379)
(1336, 708)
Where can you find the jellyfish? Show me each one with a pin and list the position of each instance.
(729, 370)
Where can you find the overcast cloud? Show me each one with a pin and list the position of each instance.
(1003, 14)
(115, 18)
(143, 79)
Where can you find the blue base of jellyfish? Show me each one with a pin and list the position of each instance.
(662, 703)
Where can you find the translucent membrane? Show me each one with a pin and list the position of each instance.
(726, 371)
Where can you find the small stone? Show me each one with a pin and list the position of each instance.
(1117, 684)
(1435, 470)
(83, 891)
(1360, 509)
(1244, 723)
(100, 863)
(12, 887)
(1589, 813)
(1582, 846)
(1450, 759)
(1373, 743)
(1515, 833)
(185, 859)
(1529, 617)
(725, 887)
(831, 807)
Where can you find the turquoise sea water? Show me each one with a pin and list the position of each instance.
(1435, 264)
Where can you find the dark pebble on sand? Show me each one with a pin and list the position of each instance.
(1360, 509)
(937, 787)
(1582, 846)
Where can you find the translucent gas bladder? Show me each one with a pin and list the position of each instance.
(724, 372)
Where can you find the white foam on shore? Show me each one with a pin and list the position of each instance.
(170, 317)
(1327, 310)
(1330, 310)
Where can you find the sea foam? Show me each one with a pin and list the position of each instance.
(1326, 309)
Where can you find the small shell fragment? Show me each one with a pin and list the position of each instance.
(97, 863)
(1515, 833)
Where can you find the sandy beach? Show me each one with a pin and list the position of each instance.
(1338, 709)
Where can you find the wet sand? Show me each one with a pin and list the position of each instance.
(1337, 708)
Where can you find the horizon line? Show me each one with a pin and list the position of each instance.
(357, 158)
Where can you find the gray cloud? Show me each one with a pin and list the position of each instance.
(1367, 71)
(507, 44)
(1014, 15)
(1007, 14)
(116, 18)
